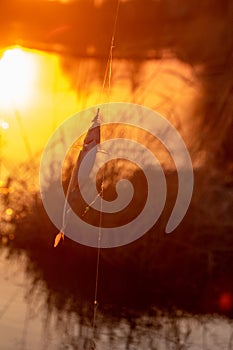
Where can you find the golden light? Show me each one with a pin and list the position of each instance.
(9, 211)
(17, 71)
(4, 125)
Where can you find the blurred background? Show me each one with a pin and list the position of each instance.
(162, 291)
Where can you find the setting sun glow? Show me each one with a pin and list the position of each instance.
(16, 77)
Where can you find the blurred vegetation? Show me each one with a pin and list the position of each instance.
(192, 268)
(196, 32)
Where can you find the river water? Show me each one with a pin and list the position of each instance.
(27, 322)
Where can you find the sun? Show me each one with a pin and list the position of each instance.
(17, 71)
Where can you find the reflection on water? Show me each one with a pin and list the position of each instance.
(29, 317)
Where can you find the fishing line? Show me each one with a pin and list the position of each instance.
(108, 70)
(107, 77)
(98, 262)
(60, 236)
